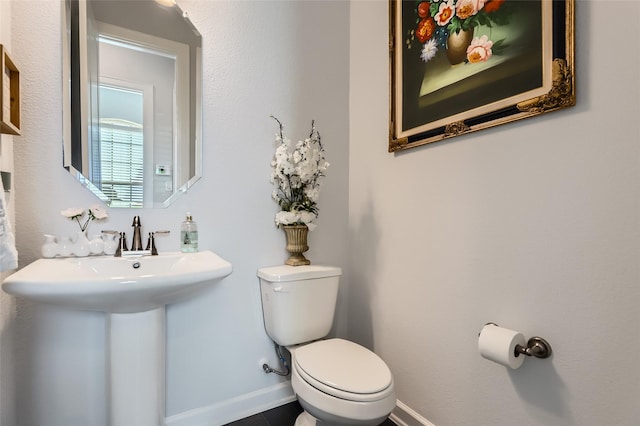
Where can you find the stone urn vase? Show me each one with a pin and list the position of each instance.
(296, 244)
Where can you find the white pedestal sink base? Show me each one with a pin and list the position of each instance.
(136, 376)
(133, 291)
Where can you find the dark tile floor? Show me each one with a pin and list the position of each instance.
(279, 416)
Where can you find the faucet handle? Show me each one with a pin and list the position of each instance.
(151, 243)
(122, 245)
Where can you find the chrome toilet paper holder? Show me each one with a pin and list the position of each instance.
(536, 346)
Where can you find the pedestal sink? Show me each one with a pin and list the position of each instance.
(133, 292)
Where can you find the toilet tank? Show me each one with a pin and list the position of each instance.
(298, 302)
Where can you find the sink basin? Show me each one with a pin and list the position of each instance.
(117, 284)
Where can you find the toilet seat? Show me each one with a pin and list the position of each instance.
(344, 369)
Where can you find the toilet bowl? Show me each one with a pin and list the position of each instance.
(339, 382)
(336, 381)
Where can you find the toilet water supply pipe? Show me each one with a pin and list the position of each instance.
(268, 369)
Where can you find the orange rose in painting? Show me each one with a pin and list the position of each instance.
(423, 9)
(493, 5)
(425, 30)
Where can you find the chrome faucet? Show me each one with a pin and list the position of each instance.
(151, 243)
(137, 238)
(136, 245)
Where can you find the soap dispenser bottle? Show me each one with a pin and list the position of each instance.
(189, 235)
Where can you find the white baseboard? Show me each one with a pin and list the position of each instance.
(402, 415)
(265, 399)
(235, 408)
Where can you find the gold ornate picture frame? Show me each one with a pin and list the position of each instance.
(458, 66)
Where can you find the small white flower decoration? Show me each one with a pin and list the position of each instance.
(95, 212)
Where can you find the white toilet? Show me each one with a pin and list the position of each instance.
(337, 382)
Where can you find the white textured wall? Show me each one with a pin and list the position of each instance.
(289, 59)
(533, 225)
(7, 304)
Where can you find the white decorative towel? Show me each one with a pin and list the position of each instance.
(8, 252)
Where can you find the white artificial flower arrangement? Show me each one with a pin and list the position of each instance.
(296, 173)
(95, 212)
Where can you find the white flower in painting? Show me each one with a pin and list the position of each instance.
(429, 50)
(446, 11)
(468, 8)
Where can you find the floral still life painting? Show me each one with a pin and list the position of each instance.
(462, 65)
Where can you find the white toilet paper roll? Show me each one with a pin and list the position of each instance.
(498, 344)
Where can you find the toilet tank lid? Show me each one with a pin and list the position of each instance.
(284, 273)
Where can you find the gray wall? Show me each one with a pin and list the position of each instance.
(533, 225)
